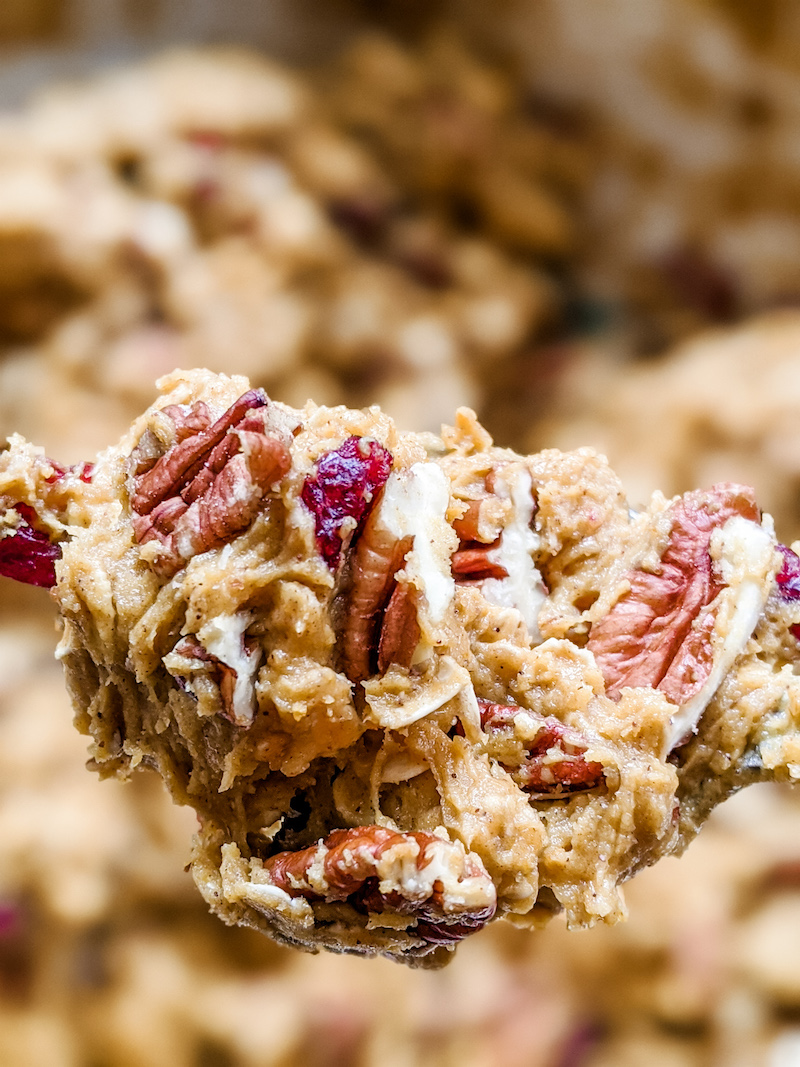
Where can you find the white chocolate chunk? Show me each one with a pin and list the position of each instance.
(223, 637)
(523, 589)
(414, 505)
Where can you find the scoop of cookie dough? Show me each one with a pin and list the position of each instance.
(409, 683)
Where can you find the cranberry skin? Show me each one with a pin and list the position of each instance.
(83, 470)
(28, 555)
(344, 486)
(59, 472)
(10, 919)
(788, 579)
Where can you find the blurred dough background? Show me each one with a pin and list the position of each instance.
(579, 217)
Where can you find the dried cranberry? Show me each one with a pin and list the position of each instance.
(59, 472)
(788, 579)
(444, 933)
(580, 1045)
(28, 555)
(10, 919)
(344, 487)
(84, 472)
(702, 284)
(363, 218)
(210, 140)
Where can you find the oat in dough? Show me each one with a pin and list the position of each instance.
(409, 683)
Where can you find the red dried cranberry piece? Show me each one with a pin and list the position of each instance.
(28, 555)
(210, 140)
(59, 472)
(702, 284)
(363, 218)
(788, 579)
(344, 486)
(10, 919)
(83, 470)
(581, 1044)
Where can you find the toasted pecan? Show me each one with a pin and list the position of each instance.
(379, 870)
(209, 485)
(657, 634)
(553, 762)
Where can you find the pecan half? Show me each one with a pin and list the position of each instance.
(178, 466)
(657, 633)
(176, 423)
(376, 557)
(376, 607)
(343, 490)
(552, 763)
(209, 485)
(445, 889)
(193, 420)
(26, 553)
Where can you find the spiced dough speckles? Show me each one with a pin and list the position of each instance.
(410, 684)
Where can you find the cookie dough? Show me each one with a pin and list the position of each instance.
(726, 400)
(211, 207)
(410, 683)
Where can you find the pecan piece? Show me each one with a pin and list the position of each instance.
(553, 762)
(378, 621)
(657, 634)
(468, 526)
(376, 558)
(192, 420)
(208, 486)
(26, 553)
(190, 663)
(434, 881)
(400, 632)
(472, 563)
(343, 490)
(176, 468)
(503, 567)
